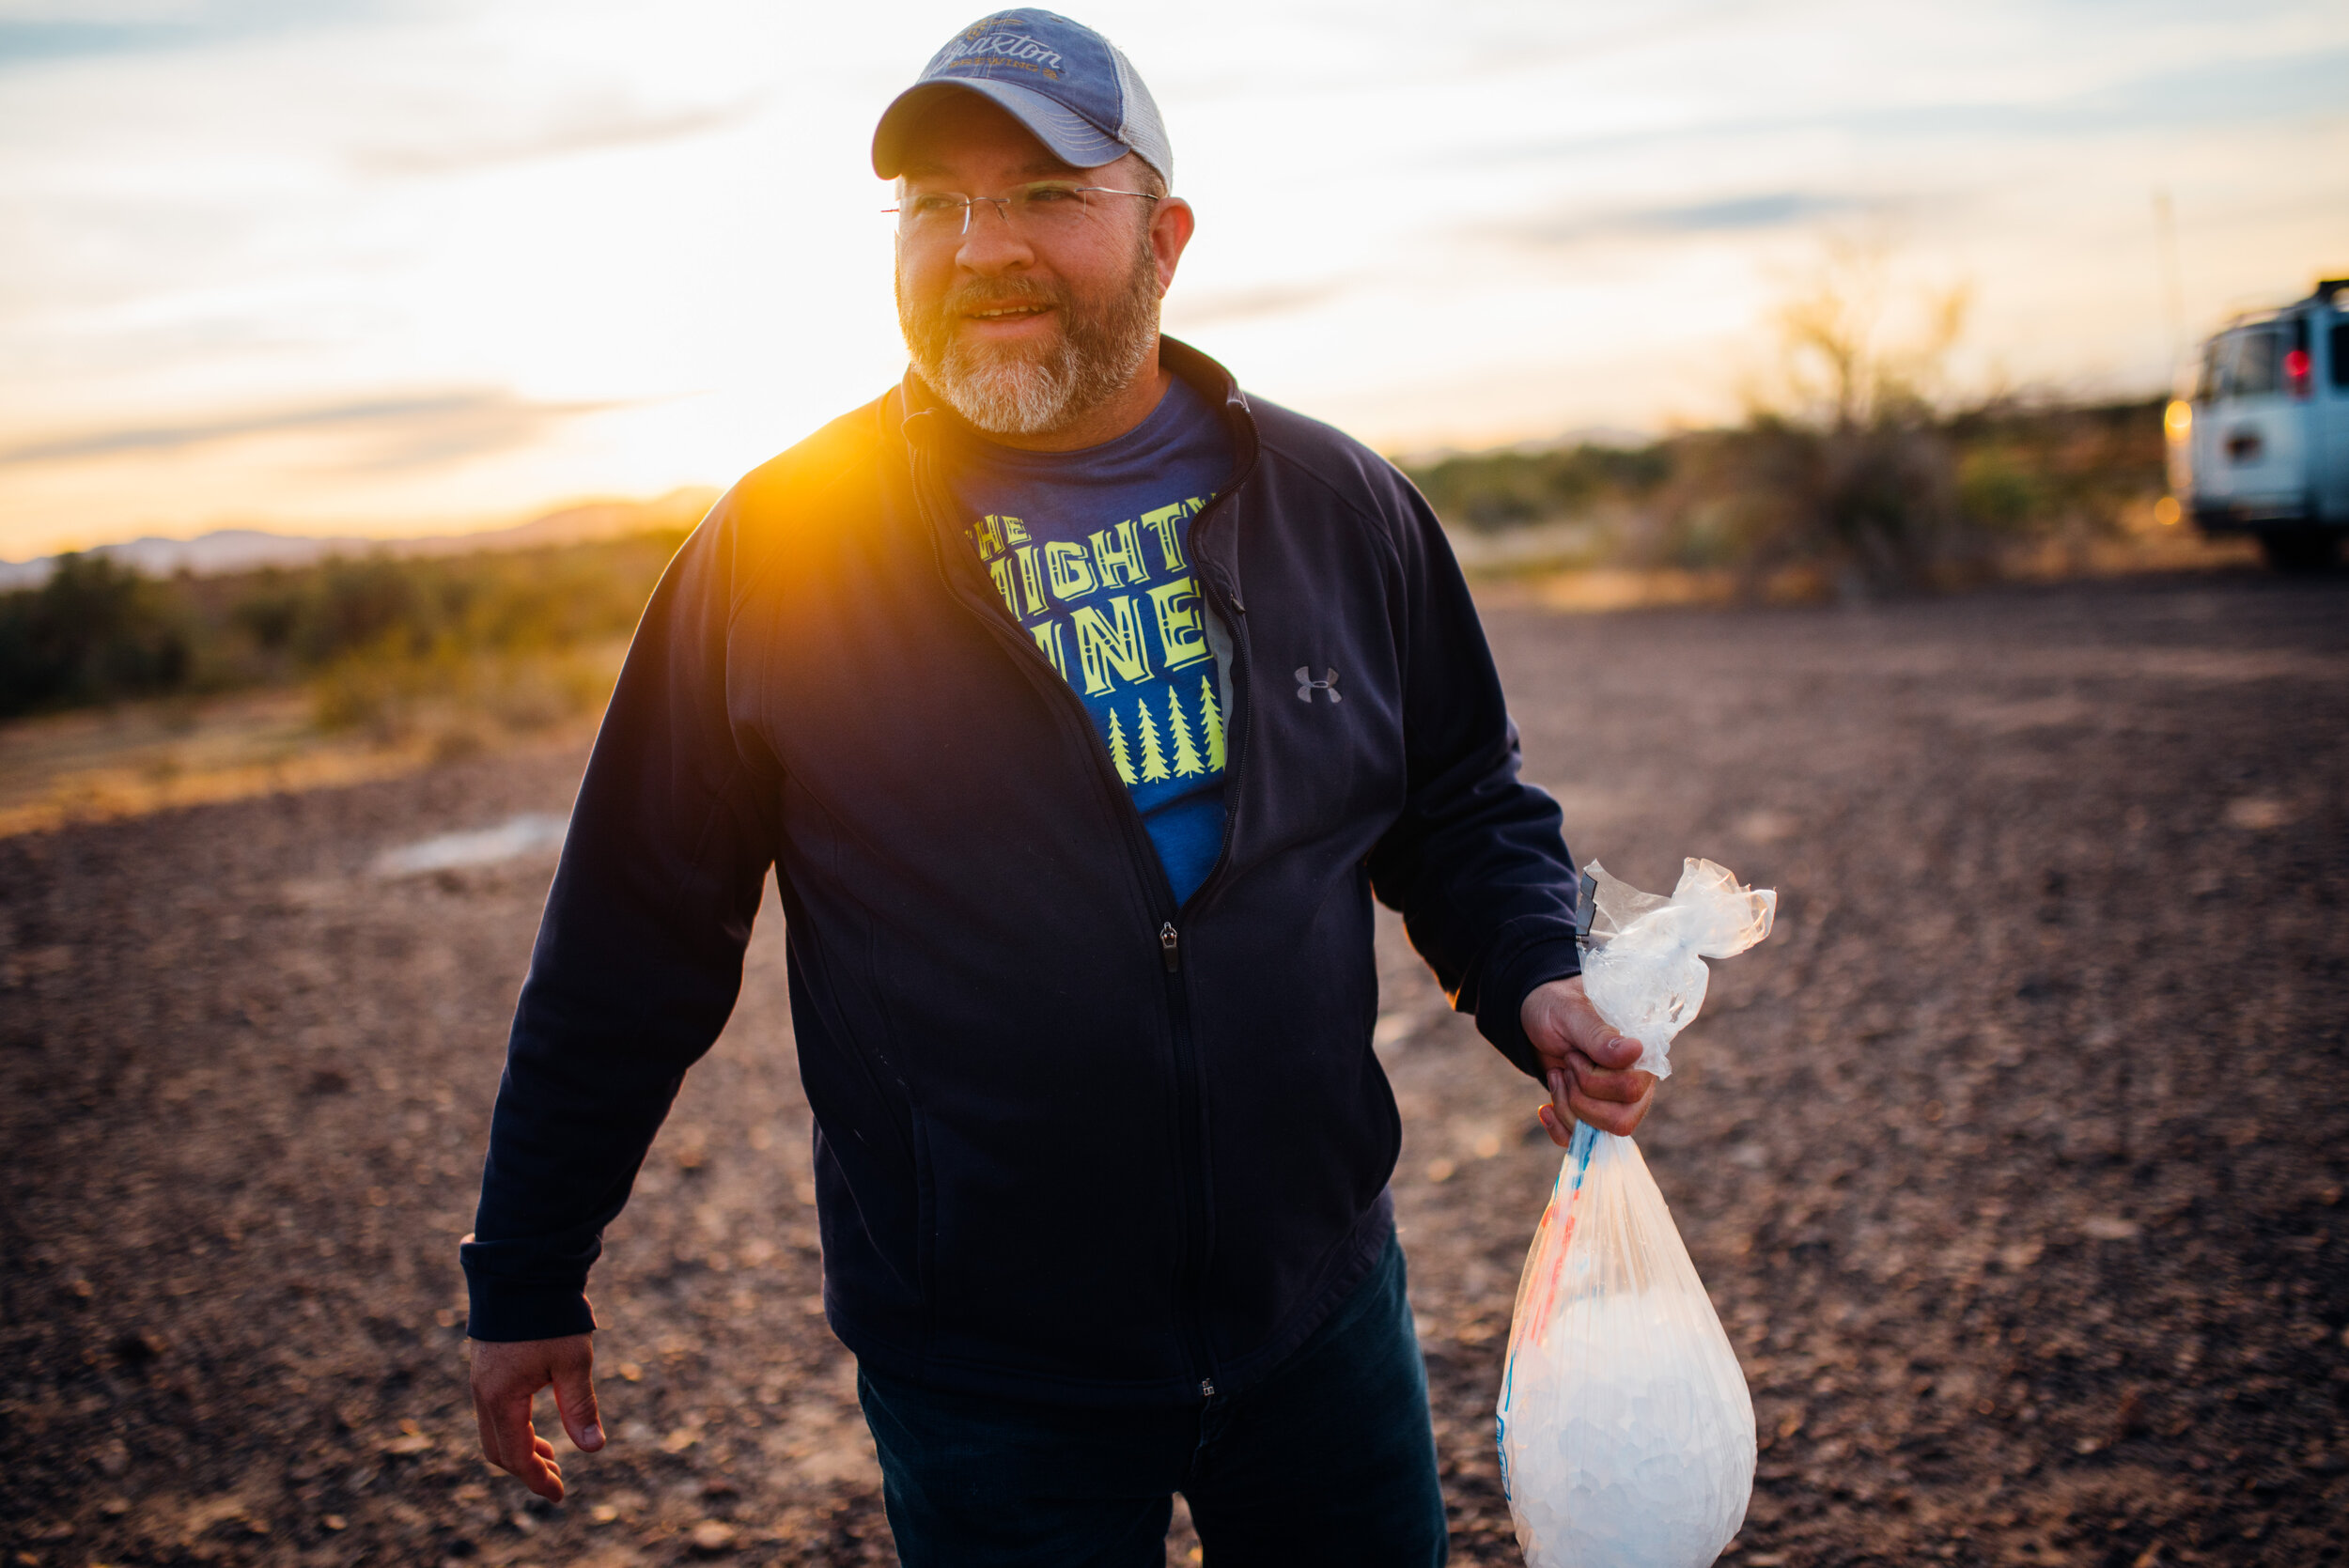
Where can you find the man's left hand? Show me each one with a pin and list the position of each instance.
(1587, 1062)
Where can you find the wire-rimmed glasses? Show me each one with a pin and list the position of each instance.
(1039, 207)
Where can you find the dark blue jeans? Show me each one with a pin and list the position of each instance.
(1329, 1459)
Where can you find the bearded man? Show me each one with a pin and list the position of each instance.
(1080, 704)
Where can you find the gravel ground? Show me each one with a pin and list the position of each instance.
(2012, 1159)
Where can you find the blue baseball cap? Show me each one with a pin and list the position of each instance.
(1069, 86)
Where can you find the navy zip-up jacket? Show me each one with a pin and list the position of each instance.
(1072, 1142)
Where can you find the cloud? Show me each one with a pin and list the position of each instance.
(588, 127)
(2231, 93)
(37, 33)
(389, 432)
(1722, 215)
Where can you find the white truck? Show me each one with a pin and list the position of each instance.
(2261, 446)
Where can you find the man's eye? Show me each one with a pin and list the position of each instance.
(1053, 196)
(932, 204)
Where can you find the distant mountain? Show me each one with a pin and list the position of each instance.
(234, 550)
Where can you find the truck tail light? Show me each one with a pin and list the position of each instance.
(2298, 376)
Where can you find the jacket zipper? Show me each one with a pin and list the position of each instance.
(1190, 1271)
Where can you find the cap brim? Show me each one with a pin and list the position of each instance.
(1065, 134)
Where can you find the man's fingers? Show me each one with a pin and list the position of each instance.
(509, 1431)
(1602, 1083)
(541, 1474)
(1612, 1115)
(1559, 1123)
(519, 1452)
(575, 1398)
(490, 1449)
(1577, 1020)
(517, 1445)
(1608, 1046)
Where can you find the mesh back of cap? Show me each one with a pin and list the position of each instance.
(1142, 129)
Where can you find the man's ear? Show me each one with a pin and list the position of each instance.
(1172, 221)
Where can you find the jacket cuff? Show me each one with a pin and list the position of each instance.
(1501, 999)
(522, 1310)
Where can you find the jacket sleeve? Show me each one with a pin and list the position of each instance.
(1476, 862)
(639, 956)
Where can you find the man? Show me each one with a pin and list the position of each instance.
(1080, 704)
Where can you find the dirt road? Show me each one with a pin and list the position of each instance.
(2013, 1159)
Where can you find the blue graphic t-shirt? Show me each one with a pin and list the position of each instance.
(1087, 549)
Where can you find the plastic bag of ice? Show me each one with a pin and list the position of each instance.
(1645, 969)
(1626, 1432)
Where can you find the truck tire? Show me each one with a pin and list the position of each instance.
(2300, 550)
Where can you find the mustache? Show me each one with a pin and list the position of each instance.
(995, 294)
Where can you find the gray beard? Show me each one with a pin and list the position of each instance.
(1010, 393)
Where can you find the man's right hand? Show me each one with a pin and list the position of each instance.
(507, 1376)
(1591, 1065)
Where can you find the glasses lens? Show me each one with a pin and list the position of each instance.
(1048, 205)
(931, 211)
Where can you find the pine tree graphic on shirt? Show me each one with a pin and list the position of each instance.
(1186, 765)
(1211, 721)
(1117, 751)
(1153, 760)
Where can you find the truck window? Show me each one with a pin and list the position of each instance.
(2224, 355)
(2339, 356)
(2206, 380)
(2253, 364)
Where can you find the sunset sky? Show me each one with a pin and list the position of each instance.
(394, 266)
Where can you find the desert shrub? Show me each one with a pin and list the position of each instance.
(455, 694)
(270, 613)
(1855, 471)
(1850, 473)
(1998, 491)
(480, 640)
(1869, 507)
(377, 690)
(1495, 490)
(375, 635)
(94, 632)
(2050, 470)
(375, 606)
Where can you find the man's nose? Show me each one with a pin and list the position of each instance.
(991, 242)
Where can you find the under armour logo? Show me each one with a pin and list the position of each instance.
(1307, 686)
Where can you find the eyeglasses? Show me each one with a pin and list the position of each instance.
(1042, 207)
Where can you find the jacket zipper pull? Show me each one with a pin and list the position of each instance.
(1170, 947)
